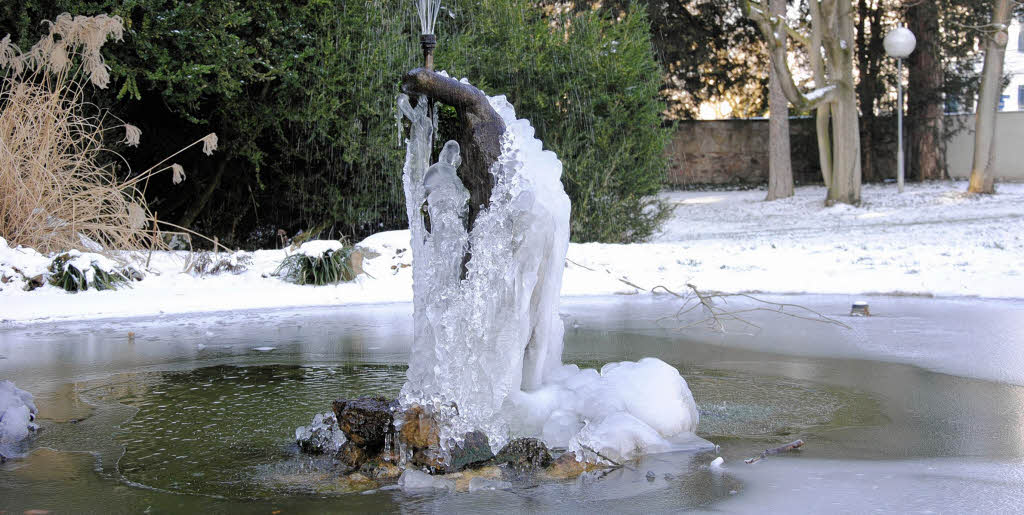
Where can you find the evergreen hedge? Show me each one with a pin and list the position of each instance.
(302, 96)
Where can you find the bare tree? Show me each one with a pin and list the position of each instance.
(995, 37)
(830, 48)
(780, 166)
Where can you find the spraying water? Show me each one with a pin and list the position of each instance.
(488, 339)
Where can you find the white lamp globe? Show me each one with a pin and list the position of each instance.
(899, 42)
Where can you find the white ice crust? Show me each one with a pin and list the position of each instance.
(487, 348)
(17, 411)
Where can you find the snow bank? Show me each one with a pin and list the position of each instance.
(18, 265)
(930, 240)
(17, 411)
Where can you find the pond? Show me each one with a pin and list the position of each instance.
(917, 408)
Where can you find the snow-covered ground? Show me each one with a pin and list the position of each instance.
(931, 240)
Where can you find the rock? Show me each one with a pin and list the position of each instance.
(419, 430)
(353, 456)
(378, 469)
(650, 475)
(413, 480)
(524, 454)
(358, 255)
(474, 451)
(567, 467)
(351, 483)
(429, 458)
(366, 421)
(464, 480)
(32, 283)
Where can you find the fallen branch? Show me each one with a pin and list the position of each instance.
(768, 452)
(717, 316)
(615, 464)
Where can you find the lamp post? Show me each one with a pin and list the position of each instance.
(899, 43)
(427, 10)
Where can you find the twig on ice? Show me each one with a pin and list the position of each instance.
(768, 452)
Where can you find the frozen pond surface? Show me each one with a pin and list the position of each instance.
(918, 408)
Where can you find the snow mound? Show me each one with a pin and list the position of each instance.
(626, 410)
(317, 248)
(19, 264)
(17, 412)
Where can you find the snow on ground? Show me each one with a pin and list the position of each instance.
(930, 240)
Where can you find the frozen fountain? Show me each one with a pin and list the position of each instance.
(489, 224)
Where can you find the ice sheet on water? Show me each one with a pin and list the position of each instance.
(17, 412)
(487, 349)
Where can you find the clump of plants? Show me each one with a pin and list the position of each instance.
(75, 272)
(214, 263)
(318, 265)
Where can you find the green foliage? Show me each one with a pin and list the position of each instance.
(302, 97)
(68, 277)
(333, 266)
(589, 84)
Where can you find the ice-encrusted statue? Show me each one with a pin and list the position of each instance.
(489, 230)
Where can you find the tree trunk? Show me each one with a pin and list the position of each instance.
(927, 145)
(780, 169)
(846, 172)
(982, 180)
(197, 207)
(870, 53)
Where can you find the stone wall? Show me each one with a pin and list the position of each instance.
(735, 152)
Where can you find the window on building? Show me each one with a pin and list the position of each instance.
(1020, 40)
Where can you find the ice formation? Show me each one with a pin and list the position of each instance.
(322, 435)
(17, 412)
(487, 348)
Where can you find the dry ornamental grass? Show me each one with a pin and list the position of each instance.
(54, 192)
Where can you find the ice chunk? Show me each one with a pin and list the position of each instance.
(716, 464)
(17, 412)
(321, 436)
(413, 479)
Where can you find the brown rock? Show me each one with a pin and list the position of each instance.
(462, 479)
(366, 421)
(419, 430)
(353, 456)
(566, 467)
(378, 469)
(524, 454)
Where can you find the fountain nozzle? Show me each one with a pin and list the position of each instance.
(427, 10)
(428, 42)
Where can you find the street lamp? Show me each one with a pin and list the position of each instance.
(899, 43)
(427, 10)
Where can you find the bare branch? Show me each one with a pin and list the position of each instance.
(769, 27)
(717, 316)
